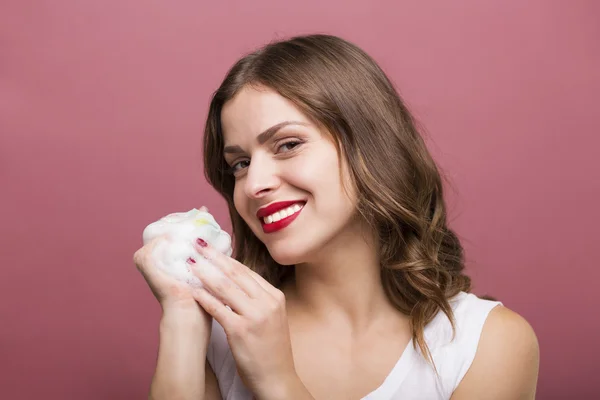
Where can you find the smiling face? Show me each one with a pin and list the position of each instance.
(288, 186)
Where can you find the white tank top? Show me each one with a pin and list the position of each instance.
(412, 377)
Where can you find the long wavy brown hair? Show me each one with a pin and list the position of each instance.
(346, 93)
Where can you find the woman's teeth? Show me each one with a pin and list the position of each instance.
(281, 214)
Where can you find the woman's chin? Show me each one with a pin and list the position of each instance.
(284, 256)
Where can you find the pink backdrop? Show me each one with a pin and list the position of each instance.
(102, 106)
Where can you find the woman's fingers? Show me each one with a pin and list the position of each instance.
(235, 271)
(272, 290)
(143, 258)
(219, 311)
(224, 290)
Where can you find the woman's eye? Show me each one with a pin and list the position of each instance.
(239, 165)
(285, 147)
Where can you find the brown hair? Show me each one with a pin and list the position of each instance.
(344, 91)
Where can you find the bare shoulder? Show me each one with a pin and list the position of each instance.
(507, 360)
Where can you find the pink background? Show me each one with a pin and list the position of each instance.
(102, 105)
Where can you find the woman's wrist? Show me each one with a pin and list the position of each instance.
(187, 304)
(180, 315)
(184, 334)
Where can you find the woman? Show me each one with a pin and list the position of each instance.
(347, 282)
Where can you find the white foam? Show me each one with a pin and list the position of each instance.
(182, 230)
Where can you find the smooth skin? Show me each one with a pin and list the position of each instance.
(323, 328)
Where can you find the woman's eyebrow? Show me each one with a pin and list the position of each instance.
(264, 136)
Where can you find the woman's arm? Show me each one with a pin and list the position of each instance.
(182, 371)
(506, 363)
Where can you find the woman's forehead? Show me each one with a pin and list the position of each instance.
(252, 112)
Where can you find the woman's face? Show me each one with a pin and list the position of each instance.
(288, 186)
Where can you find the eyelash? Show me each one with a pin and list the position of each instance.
(232, 170)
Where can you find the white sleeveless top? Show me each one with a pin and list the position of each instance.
(412, 377)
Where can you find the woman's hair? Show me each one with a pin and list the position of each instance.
(344, 91)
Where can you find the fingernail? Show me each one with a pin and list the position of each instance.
(201, 242)
(191, 260)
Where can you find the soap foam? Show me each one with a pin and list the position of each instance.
(181, 231)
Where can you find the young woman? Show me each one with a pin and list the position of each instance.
(347, 282)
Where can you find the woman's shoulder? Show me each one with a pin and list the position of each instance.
(495, 321)
(477, 321)
(507, 355)
(469, 314)
(506, 333)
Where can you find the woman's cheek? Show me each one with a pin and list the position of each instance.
(316, 165)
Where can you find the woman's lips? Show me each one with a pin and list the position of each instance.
(277, 206)
(282, 223)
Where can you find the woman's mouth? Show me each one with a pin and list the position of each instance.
(281, 218)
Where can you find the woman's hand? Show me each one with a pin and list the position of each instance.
(255, 322)
(170, 293)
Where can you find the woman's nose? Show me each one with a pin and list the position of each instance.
(262, 178)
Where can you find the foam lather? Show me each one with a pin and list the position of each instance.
(181, 231)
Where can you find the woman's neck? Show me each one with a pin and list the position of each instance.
(341, 286)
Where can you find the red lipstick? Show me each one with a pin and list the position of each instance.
(273, 208)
